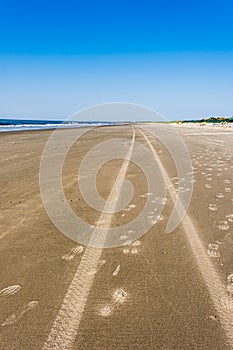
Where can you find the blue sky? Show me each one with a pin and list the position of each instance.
(173, 56)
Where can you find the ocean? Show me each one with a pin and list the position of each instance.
(7, 125)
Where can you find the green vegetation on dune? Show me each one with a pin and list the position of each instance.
(209, 120)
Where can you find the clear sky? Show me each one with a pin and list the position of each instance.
(57, 57)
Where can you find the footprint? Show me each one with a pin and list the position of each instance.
(228, 190)
(15, 317)
(226, 181)
(117, 270)
(73, 252)
(219, 242)
(119, 297)
(229, 217)
(132, 249)
(127, 209)
(213, 207)
(130, 206)
(164, 200)
(106, 311)
(213, 246)
(213, 253)
(136, 243)
(208, 185)
(11, 290)
(126, 251)
(223, 225)
(220, 195)
(213, 250)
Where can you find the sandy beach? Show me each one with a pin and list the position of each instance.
(167, 291)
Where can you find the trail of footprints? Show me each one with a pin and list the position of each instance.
(12, 290)
(132, 247)
(18, 314)
(119, 295)
(218, 161)
(155, 202)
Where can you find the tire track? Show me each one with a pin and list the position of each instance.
(65, 326)
(216, 288)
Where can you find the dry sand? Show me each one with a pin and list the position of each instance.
(151, 295)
